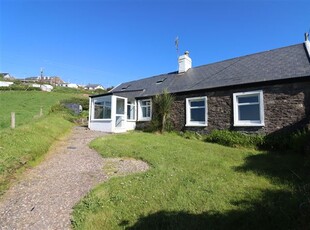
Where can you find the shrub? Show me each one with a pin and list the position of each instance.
(192, 135)
(162, 106)
(19, 88)
(297, 141)
(234, 139)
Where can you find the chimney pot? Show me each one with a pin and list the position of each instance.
(306, 37)
(185, 62)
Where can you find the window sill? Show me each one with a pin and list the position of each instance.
(249, 125)
(145, 119)
(101, 120)
(196, 125)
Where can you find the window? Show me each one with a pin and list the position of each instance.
(248, 108)
(145, 110)
(131, 110)
(102, 108)
(120, 106)
(161, 81)
(196, 111)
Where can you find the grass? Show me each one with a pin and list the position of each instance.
(25, 145)
(28, 143)
(196, 185)
(26, 105)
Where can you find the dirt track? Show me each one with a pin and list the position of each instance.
(44, 197)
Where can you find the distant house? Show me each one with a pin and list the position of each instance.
(36, 85)
(6, 76)
(47, 88)
(54, 80)
(6, 83)
(70, 85)
(94, 87)
(258, 93)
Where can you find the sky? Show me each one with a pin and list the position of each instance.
(108, 42)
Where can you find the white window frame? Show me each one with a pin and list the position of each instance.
(261, 121)
(134, 104)
(93, 109)
(140, 113)
(188, 111)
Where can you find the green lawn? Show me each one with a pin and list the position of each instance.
(26, 105)
(197, 185)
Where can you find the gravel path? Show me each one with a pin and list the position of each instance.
(44, 197)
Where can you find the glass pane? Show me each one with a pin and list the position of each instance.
(106, 112)
(128, 112)
(249, 113)
(145, 103)
(197, 103)
(248, 99)
(98, 113)
(119, 121)
(131, 111)
(198, 114)
(146, 111)
(120, 106)
(102, 108)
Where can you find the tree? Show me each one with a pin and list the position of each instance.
(163, 103)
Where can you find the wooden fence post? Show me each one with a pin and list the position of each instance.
(13, 120)
(41, 111)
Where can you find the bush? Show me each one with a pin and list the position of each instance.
(192, 135)
(19, 88)
(84, 102)
(234, 139)
(297, 141)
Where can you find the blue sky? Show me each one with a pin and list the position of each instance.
(109, 42)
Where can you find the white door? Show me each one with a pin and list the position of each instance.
(120, 114)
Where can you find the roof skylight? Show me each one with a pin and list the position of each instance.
(161, 81)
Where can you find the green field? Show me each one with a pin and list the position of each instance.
(33, 135)
(197, 185)
(26, 105)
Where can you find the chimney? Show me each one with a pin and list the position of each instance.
(185, 62)
(307, 43)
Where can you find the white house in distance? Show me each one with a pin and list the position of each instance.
(6, 83)
(6, 76)
(46, 88)
(70, 85)
(94, 87)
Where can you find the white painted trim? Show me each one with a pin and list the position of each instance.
(92, 109)
(135, 104)
(188, 115)
(140, 118)
(260, 122)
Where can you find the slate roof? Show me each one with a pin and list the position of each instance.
(278, 64)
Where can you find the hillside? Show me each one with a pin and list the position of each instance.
(34, 135)
(27, 105)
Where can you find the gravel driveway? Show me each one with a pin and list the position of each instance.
(44, 197)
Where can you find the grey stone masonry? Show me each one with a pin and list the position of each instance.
(286, 107)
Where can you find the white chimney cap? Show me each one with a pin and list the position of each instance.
(185, 62)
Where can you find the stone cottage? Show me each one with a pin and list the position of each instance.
(257, 93)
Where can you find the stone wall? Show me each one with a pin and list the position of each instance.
(286, 107)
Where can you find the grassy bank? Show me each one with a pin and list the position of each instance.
(196, 185)
(26, 105)
(27, 143)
